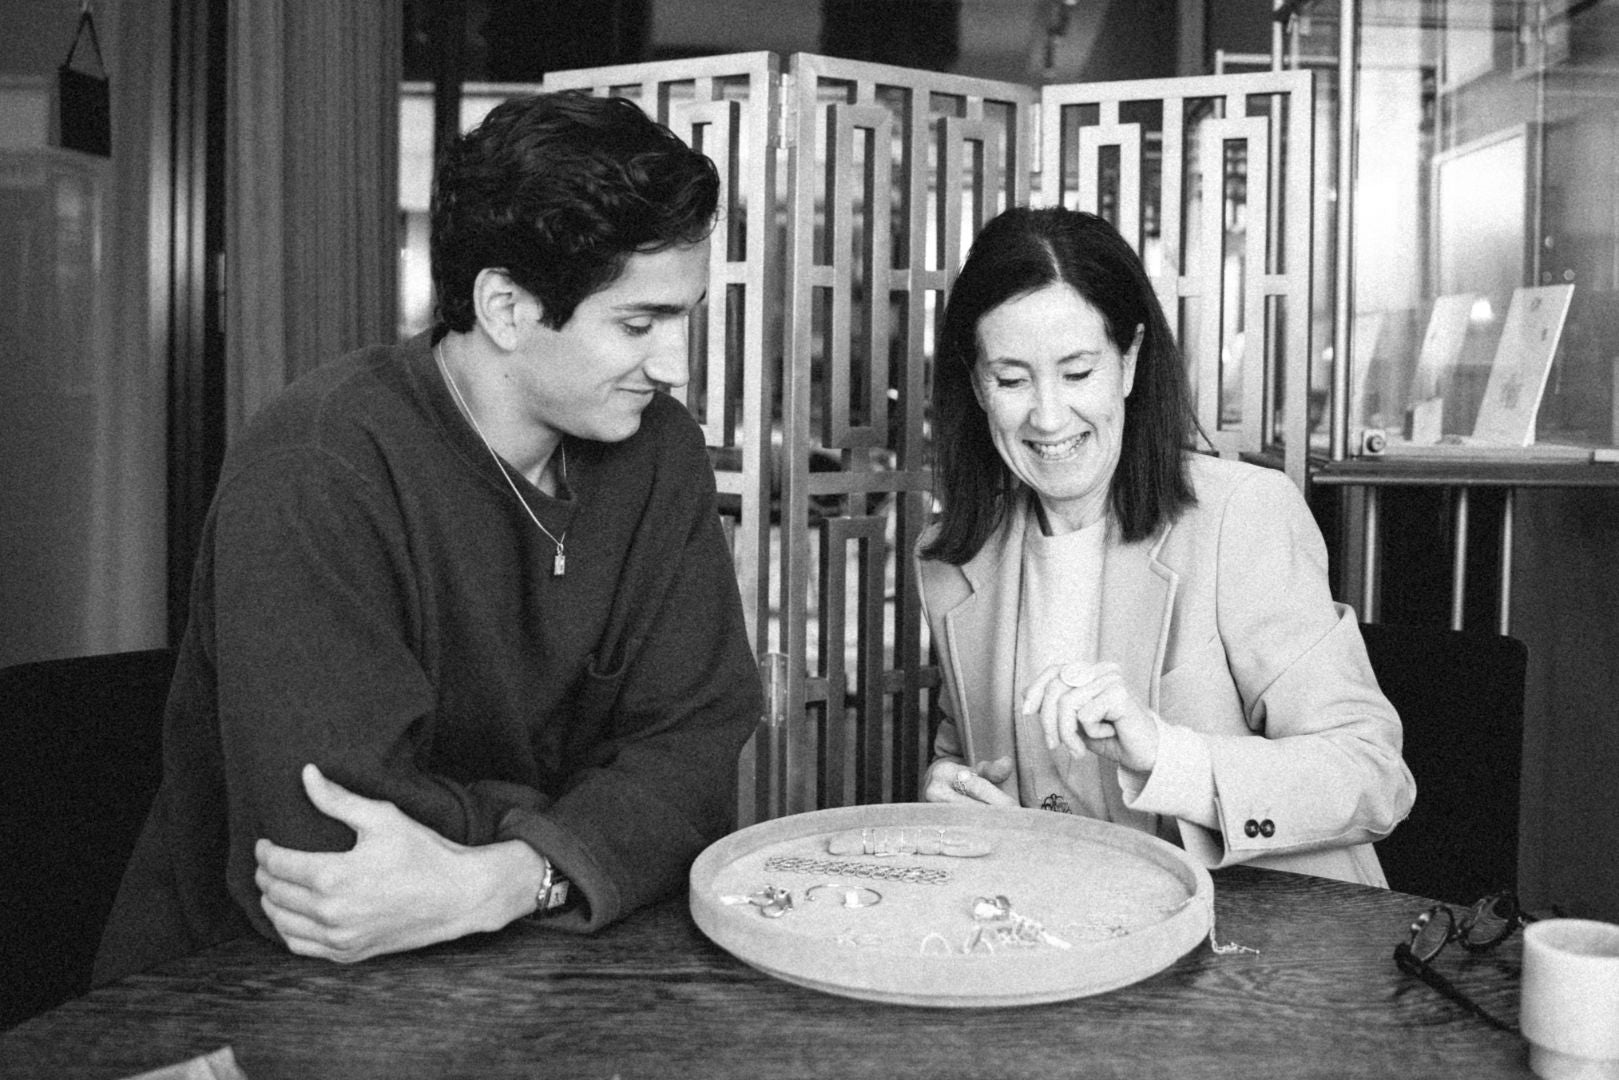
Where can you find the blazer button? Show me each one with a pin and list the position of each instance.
(1267, 828)
(1250, 828)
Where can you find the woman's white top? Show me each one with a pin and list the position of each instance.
(1058, 624)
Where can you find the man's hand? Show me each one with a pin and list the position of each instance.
(401, 886)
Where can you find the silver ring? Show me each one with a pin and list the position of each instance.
(849, 896)
(959, 784)
(1075, 668)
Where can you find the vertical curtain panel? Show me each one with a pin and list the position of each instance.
(312, 189)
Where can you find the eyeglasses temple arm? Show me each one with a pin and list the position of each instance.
(1411, 965)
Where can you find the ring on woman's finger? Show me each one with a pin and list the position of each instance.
(959, 784)
(1073, 674)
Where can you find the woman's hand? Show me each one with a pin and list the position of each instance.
(953, 782)
(1087, 707)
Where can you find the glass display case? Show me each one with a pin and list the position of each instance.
(1471, 264)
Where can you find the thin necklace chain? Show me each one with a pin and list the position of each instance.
(559, 565)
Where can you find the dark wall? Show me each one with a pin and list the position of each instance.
(922, 34)
(521, 40)
(1136, 41)
(1237, 26)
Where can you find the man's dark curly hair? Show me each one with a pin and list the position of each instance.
(558, 190)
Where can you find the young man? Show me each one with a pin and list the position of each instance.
(465, 644)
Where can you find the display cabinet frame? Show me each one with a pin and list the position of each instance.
(1529, 97)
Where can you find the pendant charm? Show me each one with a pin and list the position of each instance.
(559, 565)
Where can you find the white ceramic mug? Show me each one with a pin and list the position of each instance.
(1570, 1005)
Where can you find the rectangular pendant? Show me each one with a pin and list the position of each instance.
(559, 565)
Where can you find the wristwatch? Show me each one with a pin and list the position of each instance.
(553, 894)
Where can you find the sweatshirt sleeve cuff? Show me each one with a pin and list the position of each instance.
(1181, 784)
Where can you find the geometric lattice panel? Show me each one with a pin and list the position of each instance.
(892, 172)
(851, 194)
(1209, 178)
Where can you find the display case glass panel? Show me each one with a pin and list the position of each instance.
(1483, 311)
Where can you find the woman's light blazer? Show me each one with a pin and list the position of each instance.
(1223, 623)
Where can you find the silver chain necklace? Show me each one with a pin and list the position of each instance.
(559, 565)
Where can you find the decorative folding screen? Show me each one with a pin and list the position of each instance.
(852, 193)
(1228, 248)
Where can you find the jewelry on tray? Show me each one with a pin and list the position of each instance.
(850, 896)
(959, 843)
(771, 901)
(998, 924)
(836, 868)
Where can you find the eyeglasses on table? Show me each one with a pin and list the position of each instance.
(1478, 928)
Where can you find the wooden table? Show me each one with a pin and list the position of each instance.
(652, 997)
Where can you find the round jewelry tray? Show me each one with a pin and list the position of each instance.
(1059, 907)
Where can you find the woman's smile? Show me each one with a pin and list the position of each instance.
(1057, 451)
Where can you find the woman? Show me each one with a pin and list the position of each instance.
(1130, 630)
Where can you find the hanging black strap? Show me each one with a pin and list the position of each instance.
(95, 43)
(84, 113)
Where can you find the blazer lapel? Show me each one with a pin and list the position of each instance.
(981, 634)
(1138, 593)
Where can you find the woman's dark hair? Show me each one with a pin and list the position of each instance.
(559, 190)
(1020, 251)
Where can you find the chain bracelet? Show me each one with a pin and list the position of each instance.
(911, 875)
